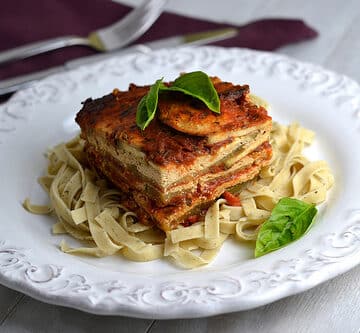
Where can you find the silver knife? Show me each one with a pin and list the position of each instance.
(201, 38)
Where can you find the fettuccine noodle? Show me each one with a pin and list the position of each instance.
(88, 209)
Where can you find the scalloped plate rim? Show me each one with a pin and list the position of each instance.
(137, 303)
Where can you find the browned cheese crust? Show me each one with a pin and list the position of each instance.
(193, 117)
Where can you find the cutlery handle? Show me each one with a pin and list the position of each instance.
(20, 82)
(24, 81)
(32, 49)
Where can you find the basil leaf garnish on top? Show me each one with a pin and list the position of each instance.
(196, 84)
(148, 105)
(288, 221)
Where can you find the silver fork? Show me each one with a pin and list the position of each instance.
(109, 38)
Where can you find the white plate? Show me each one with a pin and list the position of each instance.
(34, 119)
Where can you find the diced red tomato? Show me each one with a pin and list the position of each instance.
(231, 199)
(191, 220)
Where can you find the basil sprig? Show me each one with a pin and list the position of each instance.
(196, 84)
(148, 105)
(288, 221)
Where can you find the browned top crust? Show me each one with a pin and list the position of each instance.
(166, 140)
(191, 116)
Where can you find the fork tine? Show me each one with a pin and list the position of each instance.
(110, 38)
(144, 14)
(132, 26)
(147, 8)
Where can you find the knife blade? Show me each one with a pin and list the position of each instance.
(23, 81)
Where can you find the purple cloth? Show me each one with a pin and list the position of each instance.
(24, 21)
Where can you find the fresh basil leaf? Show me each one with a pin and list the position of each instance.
(288, 221)
(148, 104)
(142, 114)
(198, 85)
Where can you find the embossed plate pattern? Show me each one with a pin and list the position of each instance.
(41, 116)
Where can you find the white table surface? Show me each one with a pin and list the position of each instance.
(331, 307)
